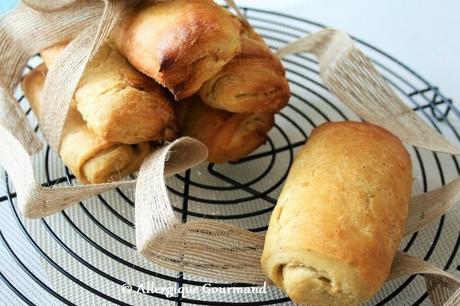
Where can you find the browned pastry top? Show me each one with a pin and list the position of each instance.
(180, 43)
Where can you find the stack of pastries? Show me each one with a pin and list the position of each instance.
(175, 68)
(190, 68)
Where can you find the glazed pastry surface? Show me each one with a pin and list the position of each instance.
(179, 43)
(119, 103)
(341, 215)
(90, 158)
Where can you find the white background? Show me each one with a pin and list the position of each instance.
(424, 34)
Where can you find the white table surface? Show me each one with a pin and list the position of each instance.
(424, 34)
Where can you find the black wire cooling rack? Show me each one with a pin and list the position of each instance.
(88, 251)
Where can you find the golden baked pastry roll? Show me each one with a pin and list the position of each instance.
(179, 43)
(119, 103)
(341, 215)
(90, 158)
(228, 136)
(253, 81)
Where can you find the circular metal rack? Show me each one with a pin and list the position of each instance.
(88, 251)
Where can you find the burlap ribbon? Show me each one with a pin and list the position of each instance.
(352, 77)
(206, 248)
(68, 68)
(22, 33)
(49, 6)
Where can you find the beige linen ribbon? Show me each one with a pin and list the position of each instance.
(428, 207)
(23, 32)
(442, 287)
(201, 247)
(35, 201)
(352, 77)
(68, 68)
(48, 6)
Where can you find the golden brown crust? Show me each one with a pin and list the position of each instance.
(119, 103)
(254, 81)
(228, 136)
(90, 158)
(340, 216)
(179, 43)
